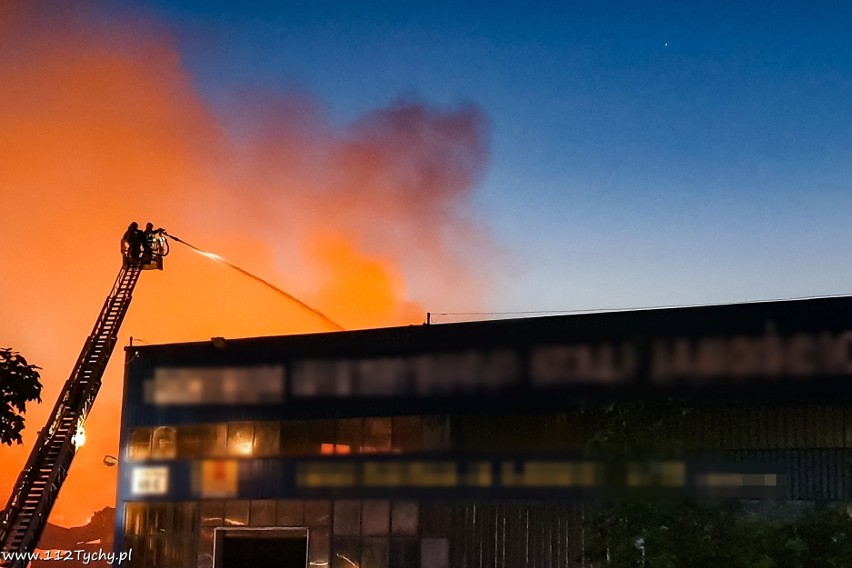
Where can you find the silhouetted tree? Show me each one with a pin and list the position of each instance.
(632, 532)
(20, 383)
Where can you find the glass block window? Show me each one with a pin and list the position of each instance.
(375, 517)
(347, 518)
(139, 444)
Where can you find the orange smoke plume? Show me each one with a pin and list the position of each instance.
(100, 125)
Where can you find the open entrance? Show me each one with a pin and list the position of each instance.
(261, 548)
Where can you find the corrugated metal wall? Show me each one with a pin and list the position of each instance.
(767, 426)
(813, 475)
(813, 443)
(516, 534)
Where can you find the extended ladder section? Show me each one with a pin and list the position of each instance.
(38, 485)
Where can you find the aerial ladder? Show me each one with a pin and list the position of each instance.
(38, 484)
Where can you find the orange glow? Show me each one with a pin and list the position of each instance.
(101, 125)
(341, 449)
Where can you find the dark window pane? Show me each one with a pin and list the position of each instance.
(377, 435)
(436, 433)
(375, 517)
(318, 541)
(404, 553)
(267, 439)
(290, 514)
(436, 519)
(236, 513)
(177, 552)
(321, 435)
(212, 513)
(159, 518)
(164, 443)
(153, 551)
(317, 513)
(139, 445)
(189, 440)
(374, 553)
(404, 517)
(347, 552)
(347, 517)
(407, 434)
(214, 440)
(435, 553)
(262, 514)
(205, 543)
(134, 518)
(137, 545)
(294, 438)
(185, 518)
(349, 435)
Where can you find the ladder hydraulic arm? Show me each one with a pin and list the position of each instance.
(37, 487)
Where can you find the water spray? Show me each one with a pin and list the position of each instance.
(291, 297)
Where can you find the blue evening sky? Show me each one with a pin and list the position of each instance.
(642, 153)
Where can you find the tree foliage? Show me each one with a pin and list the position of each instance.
(671, 534)
(631, 532)
(20, 383)
(635, 430)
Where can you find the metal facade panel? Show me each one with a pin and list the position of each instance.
(802, 422)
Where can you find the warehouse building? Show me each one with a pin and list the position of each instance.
(466, 445)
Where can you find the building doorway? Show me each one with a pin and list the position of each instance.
(271, 547)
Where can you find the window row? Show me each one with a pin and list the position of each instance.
(371, 517)
(766, 427)
(722, 427)
(741, 427)
(168, 551)
(381, 533)
(179, 518)
(290, 438)
(348, 517)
